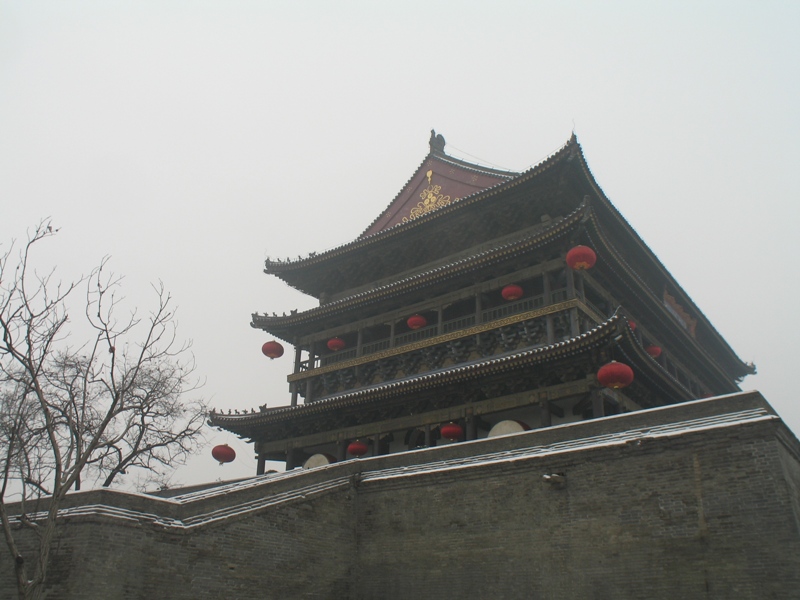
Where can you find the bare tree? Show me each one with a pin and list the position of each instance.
(73, 415)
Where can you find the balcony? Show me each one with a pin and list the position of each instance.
(447, 327)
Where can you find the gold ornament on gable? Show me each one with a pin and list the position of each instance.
(432, 199)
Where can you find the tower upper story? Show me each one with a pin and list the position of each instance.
(458, 301)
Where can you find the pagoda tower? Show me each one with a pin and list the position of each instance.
(481, 302)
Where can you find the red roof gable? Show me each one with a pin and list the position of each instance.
(439, 181)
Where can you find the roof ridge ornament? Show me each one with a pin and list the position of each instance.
(436, 142)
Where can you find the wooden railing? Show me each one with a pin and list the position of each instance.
(330, 359)
(376, 346)
(487, 316)
(512, 308)
(416, 335)
(459, 323)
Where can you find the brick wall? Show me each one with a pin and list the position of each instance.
(709, 511)
(704, 516)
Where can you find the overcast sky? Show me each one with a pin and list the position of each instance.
(190, 140)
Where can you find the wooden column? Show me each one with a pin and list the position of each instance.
(308, 391)
(544, 412)
(574, 322)
(570, 283)
(548, 300)
(427, 436)
(261, 464)
(359, 342)
(341, 450)
(439, 326)
(478, 310)
(290, 459)
(376, 443)
(547, 291)
(310, 366)
(297, 351)
(598, 408)
(579, 286)
(472, 428)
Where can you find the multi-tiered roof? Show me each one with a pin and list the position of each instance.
(454, 235)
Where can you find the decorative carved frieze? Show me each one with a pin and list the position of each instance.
(534, 332)
(510, 336)
(366, 373)
(561, 326)
(487, 343)
(434, 356)
(458, 351)
(387, 368)
(461, 333)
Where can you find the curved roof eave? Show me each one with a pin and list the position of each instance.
(279, 267)
(746, 368)
(279, 324)
(571, 148)
(647, 367)
(605, 333)
(598, 336)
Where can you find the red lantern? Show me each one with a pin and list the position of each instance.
(452, 432)
(336, 344)
(416, 322)
(223, 454)
(272, 349)
(654, 351)
(357, 448)
(512, 292)
(615, 375)
(581, 258)
(632, 325)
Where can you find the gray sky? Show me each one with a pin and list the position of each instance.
(190, 140)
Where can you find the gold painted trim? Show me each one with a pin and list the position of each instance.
(454, 335)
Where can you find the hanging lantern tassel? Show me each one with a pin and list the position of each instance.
(581, 258)
(224, 454)
(615, 375)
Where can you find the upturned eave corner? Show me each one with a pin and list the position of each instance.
(604, 214)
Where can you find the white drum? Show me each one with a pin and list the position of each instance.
(318, 460)
(507, 428)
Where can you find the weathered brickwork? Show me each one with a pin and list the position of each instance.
(692, 518)
(708, 511)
